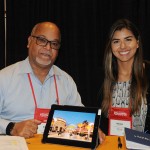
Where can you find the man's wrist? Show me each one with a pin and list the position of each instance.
(9, 128)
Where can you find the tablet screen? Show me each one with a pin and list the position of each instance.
(72, 125)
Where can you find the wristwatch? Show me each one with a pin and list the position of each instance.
(9, 128)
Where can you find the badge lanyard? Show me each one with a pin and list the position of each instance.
(31, 85)
(42, 113)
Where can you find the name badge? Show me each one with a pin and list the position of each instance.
(119, 118)
(42, 115)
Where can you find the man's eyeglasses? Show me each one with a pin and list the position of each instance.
(43, 42)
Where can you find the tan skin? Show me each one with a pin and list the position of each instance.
(41, 60)
(102, 135)
(51, 33)
(124, 46)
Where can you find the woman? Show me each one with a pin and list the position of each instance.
(125, 98)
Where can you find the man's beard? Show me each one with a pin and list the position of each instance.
(41, 62)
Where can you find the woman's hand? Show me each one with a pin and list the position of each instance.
(101, 135)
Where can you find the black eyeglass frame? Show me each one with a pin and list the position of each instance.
(47, 41)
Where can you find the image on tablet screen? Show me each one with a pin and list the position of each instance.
(72, 125)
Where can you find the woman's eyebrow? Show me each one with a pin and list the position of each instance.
(131, 36)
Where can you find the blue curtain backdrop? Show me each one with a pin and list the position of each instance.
(84, 25)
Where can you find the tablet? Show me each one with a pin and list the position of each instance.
(72, 125)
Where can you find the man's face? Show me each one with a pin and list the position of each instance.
(41, 55)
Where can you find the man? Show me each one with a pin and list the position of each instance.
(29, 88)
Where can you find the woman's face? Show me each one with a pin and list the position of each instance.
(124, 45)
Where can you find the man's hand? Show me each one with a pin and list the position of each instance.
(101, 136)
(26, 129)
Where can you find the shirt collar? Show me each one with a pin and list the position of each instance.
(25, 67)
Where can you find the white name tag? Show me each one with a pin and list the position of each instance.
(117, 127)
(41, 128)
